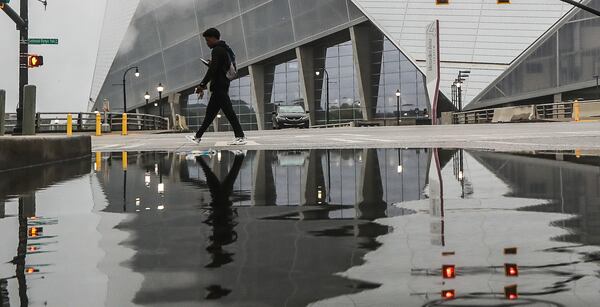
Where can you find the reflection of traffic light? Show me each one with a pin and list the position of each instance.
(511, 293)
(34, 60)
(511, 270)
(448, 271)
(35, 232)
(448, 294)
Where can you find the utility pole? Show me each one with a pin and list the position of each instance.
(23, 69)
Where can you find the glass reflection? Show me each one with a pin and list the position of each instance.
(308, 227)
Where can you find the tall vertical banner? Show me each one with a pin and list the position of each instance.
(432, 69)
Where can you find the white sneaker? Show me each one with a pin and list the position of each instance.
(193, 139)
(238, 141)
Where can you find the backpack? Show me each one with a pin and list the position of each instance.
(231, 72)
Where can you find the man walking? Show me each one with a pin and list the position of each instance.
(219, 75)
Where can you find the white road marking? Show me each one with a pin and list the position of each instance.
(226, 144)
(345, 140)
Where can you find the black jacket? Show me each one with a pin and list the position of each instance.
(217, 69)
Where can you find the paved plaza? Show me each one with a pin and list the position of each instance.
(504, 137)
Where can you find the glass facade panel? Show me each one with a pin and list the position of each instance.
(267, 28)
(314, 16)
(176, 22)
(251, 4)
(282, 87)
(344, 104)
(392, 71)
(211, 13)
(579, 49)
(253, 28)
(536, 72)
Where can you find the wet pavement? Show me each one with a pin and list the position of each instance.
(340, 227)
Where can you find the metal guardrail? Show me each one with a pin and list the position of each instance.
(474, 117)
(562, 111)
(48, 122)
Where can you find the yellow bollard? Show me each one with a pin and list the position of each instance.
(69, 125)
(578, 153)
(124, 132)
(98, 124)
(98, 163)
(125, 161)
(577, 111)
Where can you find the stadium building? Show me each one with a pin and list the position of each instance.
(369, 49)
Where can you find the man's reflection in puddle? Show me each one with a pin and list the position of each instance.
(221, 218)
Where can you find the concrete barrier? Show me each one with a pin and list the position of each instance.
(23, 151)
(589, 110)
(447, 118)
(514, 114)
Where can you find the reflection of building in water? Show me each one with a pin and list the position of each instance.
(572, 188)
(287, 247)
(499, 229)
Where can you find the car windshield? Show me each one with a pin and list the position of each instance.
(291, 109)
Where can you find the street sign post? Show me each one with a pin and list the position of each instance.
(43, 41)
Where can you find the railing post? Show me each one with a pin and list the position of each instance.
(2, 111)
(124, 124)
(98, 124)
(69, 125)
(80, 122)
(155, 123)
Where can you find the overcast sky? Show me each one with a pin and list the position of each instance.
(65, 79)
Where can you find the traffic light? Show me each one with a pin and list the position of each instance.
(34, 60)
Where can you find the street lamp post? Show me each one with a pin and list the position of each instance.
(160, 88)
(398, 108)
(462, 75)
(147, 97)
(318, 73)
(124, 84)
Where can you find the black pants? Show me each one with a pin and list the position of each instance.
(220, 101)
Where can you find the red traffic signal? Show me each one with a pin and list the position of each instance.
(34, 60)
(448, 271)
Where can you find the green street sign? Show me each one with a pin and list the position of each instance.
(43, 41)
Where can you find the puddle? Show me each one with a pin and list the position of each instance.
(295, 228)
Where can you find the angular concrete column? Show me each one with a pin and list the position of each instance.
(364, 55)
(264, 192)
(314, 188)
(29, 110)
(371, 205)
(2, 209)
(257, 82)
(306, 67)
(174, 105)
